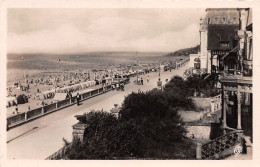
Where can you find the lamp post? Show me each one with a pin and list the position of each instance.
(137, 69)
(159, 82)
(159, 68)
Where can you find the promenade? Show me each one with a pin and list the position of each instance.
(40, 138)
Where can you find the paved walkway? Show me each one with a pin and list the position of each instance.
(46, 137)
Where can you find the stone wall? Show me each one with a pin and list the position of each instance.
(79, 131)
(201, 103)
(191, 116)
(199, 131)
(212, 103)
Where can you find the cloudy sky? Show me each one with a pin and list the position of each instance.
(83, 30)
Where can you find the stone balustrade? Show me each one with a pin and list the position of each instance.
(219, 147)
(216, 103)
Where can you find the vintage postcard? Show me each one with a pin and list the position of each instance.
(139, 83)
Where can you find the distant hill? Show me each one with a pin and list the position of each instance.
(184, 52)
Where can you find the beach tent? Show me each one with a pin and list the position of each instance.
(39, 96)
(21, 99)
(81, 92)
(60, 96)
(11, 101)
(108, 80)
(49, 94)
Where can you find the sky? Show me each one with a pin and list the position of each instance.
(85, 30)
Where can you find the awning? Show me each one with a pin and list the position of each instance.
(60, 96)
(235, 50)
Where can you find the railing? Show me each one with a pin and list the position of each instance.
(34, 113)
(241, 78)
(216, 103)
(207, 76)
(16, 119)
(220, 144)
(63, 102)
(50, 107)
(86, 95)
(21, 118)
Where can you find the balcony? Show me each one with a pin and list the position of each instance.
(236, 76)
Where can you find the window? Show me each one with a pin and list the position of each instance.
(224, 43)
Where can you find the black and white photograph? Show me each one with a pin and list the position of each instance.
(129, 83)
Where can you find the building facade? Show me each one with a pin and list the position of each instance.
(217, 37)
(237, 86)
(226, 49)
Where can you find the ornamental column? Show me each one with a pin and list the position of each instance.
(224, 108)
(239, 108)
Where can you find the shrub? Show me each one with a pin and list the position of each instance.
(148, 127)
(184, 89)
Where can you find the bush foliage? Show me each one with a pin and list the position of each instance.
(184, 89)
(148, 126)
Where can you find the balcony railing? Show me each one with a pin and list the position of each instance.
(232, 74)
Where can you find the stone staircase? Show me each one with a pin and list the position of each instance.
(243, 156)
(228, 144)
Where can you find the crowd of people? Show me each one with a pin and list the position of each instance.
(34, 86)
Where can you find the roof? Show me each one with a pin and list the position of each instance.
(222, 16)
(60, 96)
(87, 90)
(235, 50)
(218, 34)
(48, 91)
(81, 92)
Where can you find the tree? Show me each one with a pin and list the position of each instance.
(105, 138)
(159, 122)
(177, 93)
(148, 126)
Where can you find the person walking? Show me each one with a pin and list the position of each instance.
(142, 81)
(16, 109)
(77, 99)
(147, 78)
(159, 84)
(117, 86)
